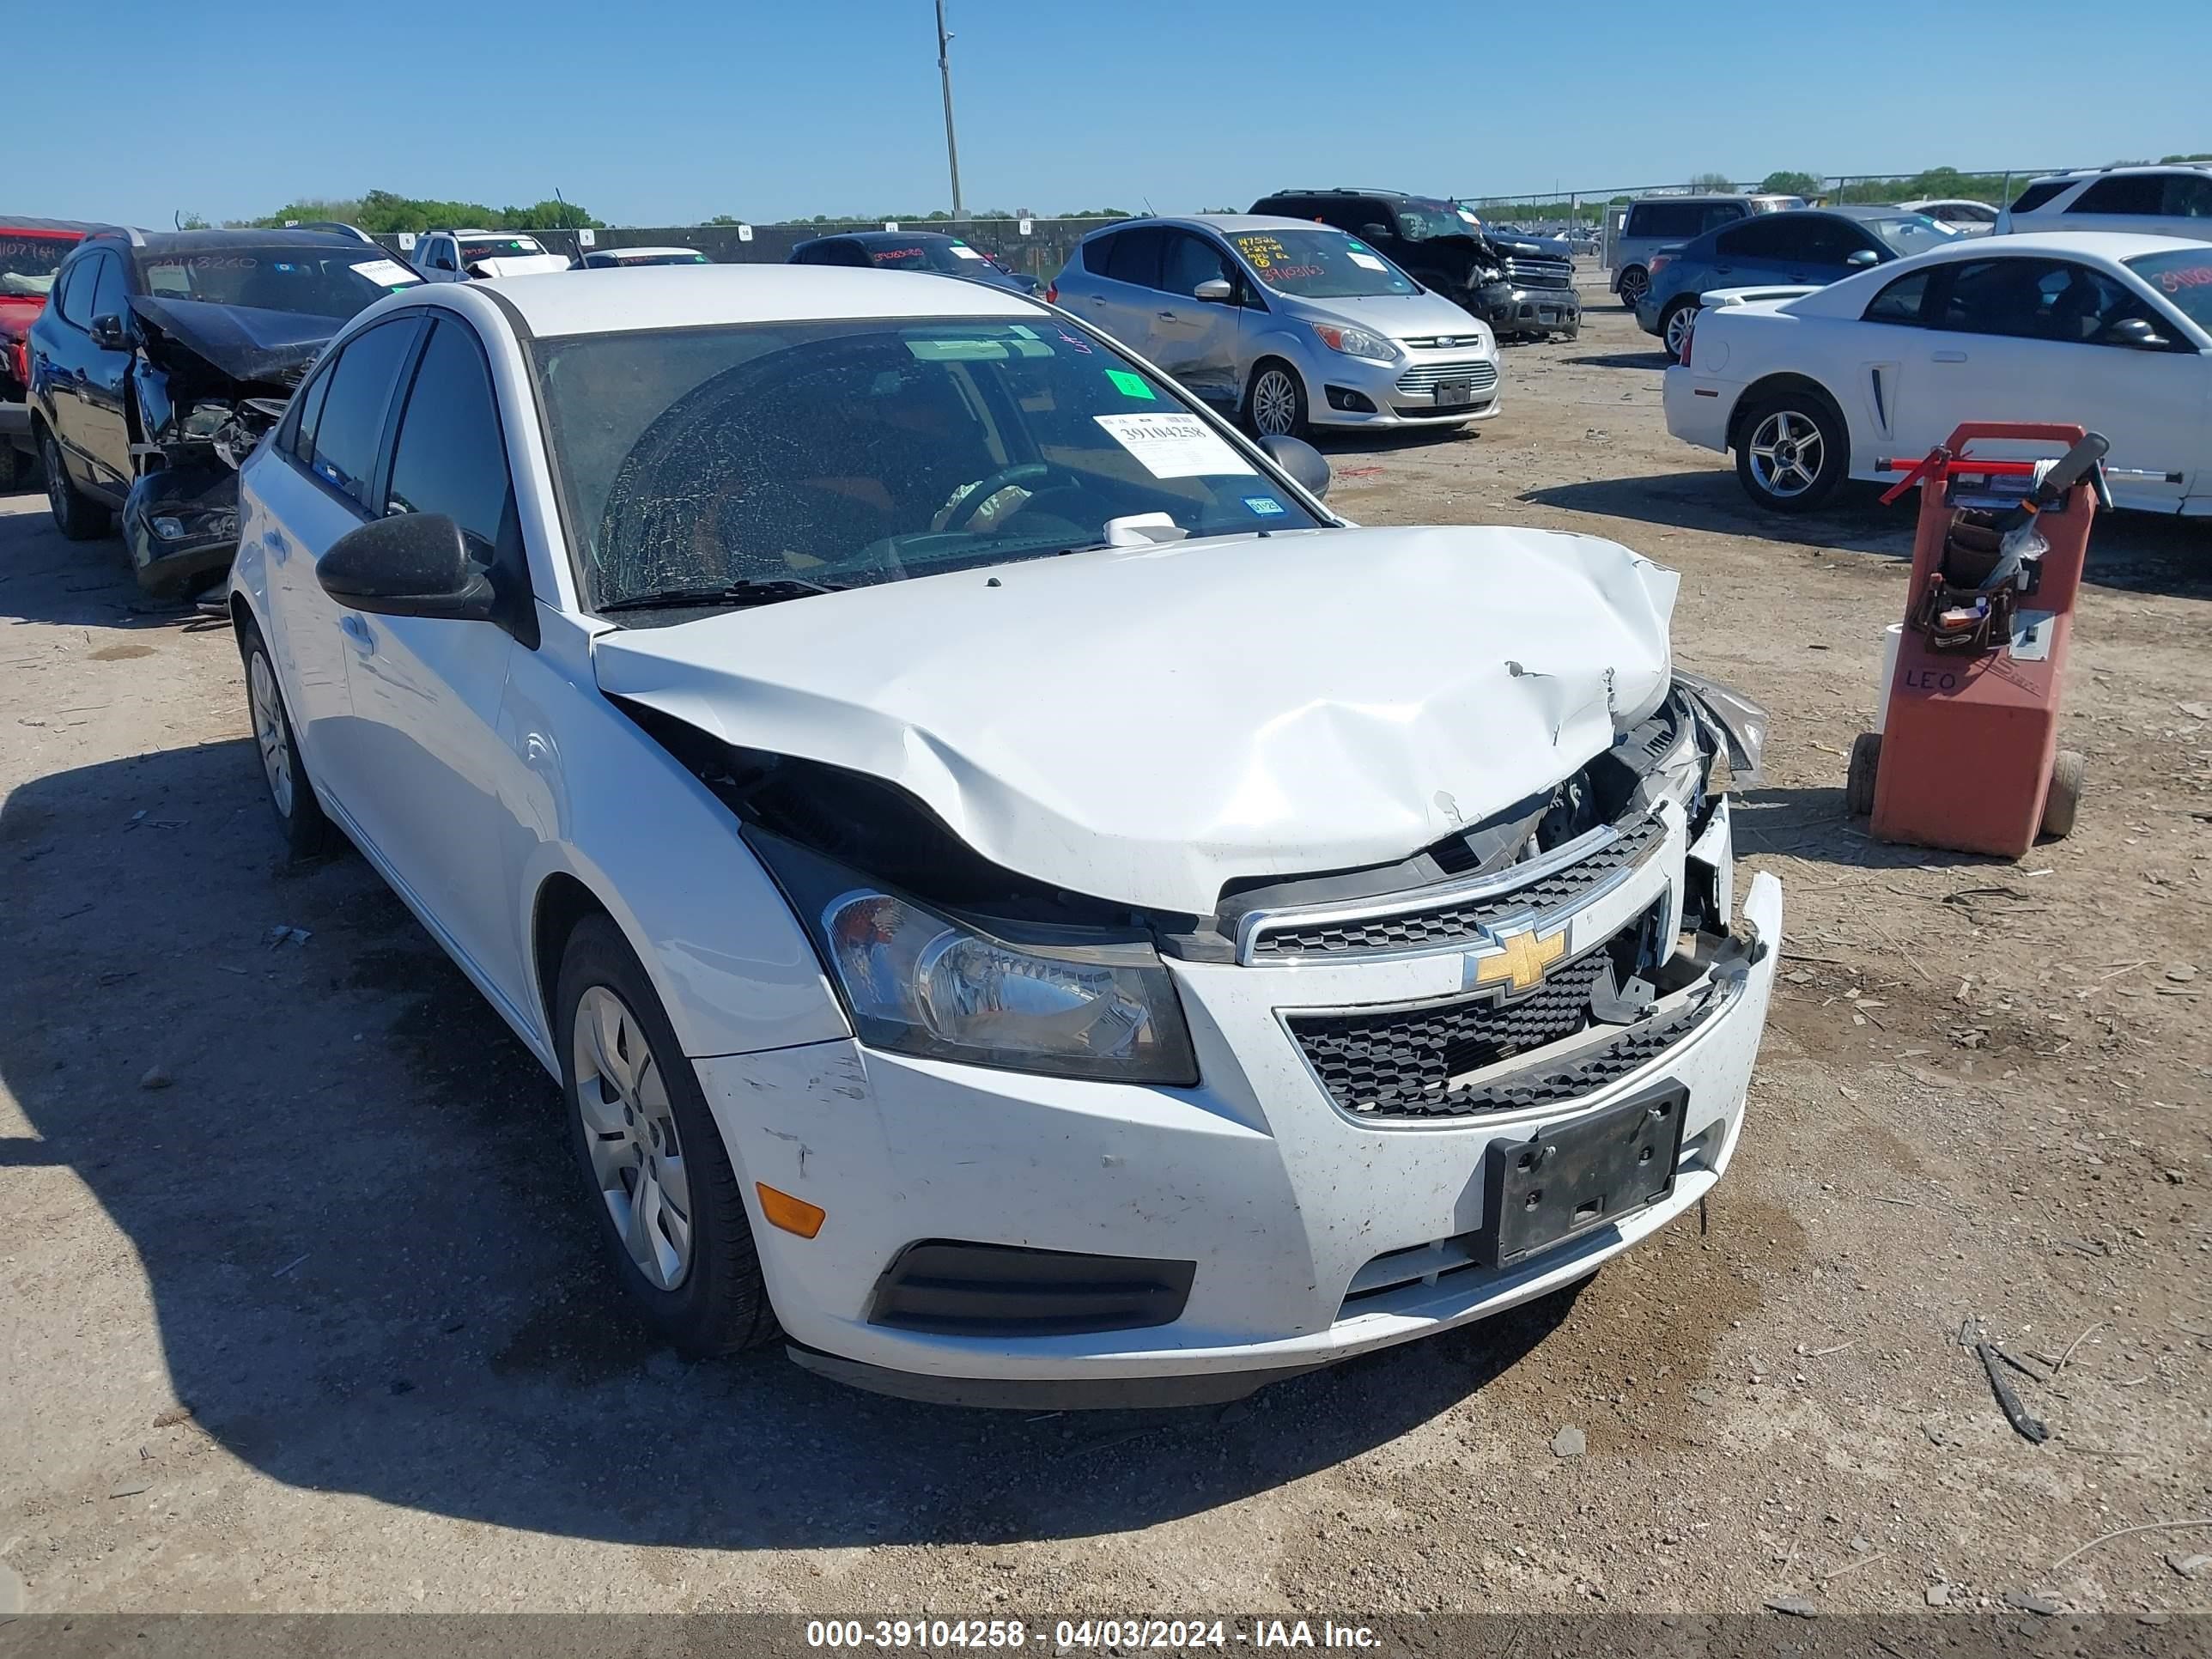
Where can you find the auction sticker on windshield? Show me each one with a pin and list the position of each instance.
(1172, 445)
(386, 273)
(1368, 260)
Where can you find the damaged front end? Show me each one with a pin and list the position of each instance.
(208, 382)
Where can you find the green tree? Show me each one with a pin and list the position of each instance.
(1784, 183)
(1716, 182)
(723, 219)
(2168, 160)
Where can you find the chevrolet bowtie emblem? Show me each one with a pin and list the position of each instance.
(1518, 960)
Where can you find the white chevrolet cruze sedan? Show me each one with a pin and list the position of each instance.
(1020, 899)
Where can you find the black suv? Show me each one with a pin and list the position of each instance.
(1522, 289)
(159, 361)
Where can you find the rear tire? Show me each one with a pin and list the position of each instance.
(1792, 450)
(656, 1175)
(283, 769)
(1275, 401)
(1859, 780)
(14, 467)
(2068, 772)
(1634, 283)
(76, 515)
(1675, 326)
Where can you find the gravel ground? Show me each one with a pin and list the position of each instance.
(301, 1312)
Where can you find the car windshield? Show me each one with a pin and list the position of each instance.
(499, 247)
(27, 263)
(1419, 221)
(315, 282)
(834, 454)
(1320, 265)
(956, 259)
(683, 256)
(1909, 233)
(2183, 276)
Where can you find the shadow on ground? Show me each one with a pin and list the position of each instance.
(357, 1217)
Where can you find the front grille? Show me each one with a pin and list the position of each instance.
(1399, 1063)
(1465, 923)
(1478, 372)
(1528, 271)
(1438, 342)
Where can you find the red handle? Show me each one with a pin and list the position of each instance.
(2049, 432)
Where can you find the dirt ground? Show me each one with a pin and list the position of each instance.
(301, 1311)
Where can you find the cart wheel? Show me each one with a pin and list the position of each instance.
(2067, 774)
(1858, 782)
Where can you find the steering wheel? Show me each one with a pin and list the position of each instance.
(972, 502)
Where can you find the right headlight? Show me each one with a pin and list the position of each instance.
(1357, 342)
(1063, 1001)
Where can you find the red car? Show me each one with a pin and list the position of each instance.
(31, 250)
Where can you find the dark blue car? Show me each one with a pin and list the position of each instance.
(1808, 246)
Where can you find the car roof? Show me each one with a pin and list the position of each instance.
(617, 252)
(2075, 174)
(1224, 222)
(18, 221)
(904, 238)
(147, 243)
(693, 296)
(2114, 244)
(1355, 190)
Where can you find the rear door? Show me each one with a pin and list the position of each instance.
(2029, 337)
(1766, 247)
(433, 780)
(61, 357)
(1193, 339)
(1124, 296)
(322, 491)
(2146, 202)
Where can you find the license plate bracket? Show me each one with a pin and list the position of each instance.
(1455, 394)
(1561, 1184)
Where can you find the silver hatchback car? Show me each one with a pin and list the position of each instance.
(1287, 323)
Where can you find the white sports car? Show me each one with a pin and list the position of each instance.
(1014, 892)
(2111, 333)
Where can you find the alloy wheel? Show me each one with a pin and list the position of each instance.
(1786, 454)
(269, 732)
(1678, 330)
(630, 1127)
(1633, 287)
(1275, 404)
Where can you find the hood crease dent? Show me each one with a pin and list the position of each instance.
(1146, 725)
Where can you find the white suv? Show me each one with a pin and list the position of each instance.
(2161, 201)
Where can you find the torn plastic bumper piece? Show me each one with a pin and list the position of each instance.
(180, 525)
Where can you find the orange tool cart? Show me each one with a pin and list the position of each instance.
(1968, 756)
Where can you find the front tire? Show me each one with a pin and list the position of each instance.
(1634, 283)
(658, 1180)
(1275, 402)
(291, 790)
(1792, 451)
(76, 515)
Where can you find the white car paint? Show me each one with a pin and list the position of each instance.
(1903, 389)
(1962, 214)
(443, 257)
(2171, 199)
(1286, 705)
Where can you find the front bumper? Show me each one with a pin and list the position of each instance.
(180, 525)
(1512, 310)
(1316, 1234)
(1350, 391)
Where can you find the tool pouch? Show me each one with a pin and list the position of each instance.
(1956, 613)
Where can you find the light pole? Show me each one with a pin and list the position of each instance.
(945, 74)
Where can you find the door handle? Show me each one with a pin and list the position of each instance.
(357, 630)
(1169, 315)
(1950, 356)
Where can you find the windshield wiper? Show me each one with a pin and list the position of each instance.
(751, 590)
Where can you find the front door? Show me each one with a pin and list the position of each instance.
(2030, 338)
(435, 779)
(1193, 339)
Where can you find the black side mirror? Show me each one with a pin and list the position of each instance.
(2138, 333)
(108, 335)
(1374, 232)
(1301, 460)
(410, 564)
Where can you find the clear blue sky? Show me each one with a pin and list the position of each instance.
(657, 111)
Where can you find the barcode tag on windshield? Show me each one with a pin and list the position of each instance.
(386, 273)
(1173, 446)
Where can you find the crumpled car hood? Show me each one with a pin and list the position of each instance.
(1144, 724)
(243, 342)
